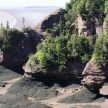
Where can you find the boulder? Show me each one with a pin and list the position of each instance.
(52, 19)
(93, 76)
(17, 56)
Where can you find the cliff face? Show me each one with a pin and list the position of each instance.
(96, 27)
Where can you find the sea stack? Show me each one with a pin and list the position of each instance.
(93, 76)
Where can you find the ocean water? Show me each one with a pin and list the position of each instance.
(32, 16)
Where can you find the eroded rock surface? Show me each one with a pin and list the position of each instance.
(94, 76)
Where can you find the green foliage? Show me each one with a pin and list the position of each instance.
(79, 48)
(52, 53)
(101, 50)
(1, 36)
(106, 20)
(55, 52)
(106, 6)
(57, 29)
(31, 62)
(94, 6)
(9, 37)
(86, 6)
(81, 6)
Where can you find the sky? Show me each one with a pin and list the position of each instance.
(25, 3)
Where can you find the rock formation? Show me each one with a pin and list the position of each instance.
(75, 68)
(18, 55)
(94, 76)
(52, 19)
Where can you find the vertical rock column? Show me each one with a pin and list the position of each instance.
(93, 77)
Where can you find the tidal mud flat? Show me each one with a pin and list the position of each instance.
(23, 92)
(28, 93)
(14, 89)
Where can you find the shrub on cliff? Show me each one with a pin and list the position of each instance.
(10, 37)
(55, 52)
(79, 48)
(83, 7)
(101, 50)
(52, 53)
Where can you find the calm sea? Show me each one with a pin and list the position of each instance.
(32, 16)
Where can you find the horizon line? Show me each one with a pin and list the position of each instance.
(30, 7)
